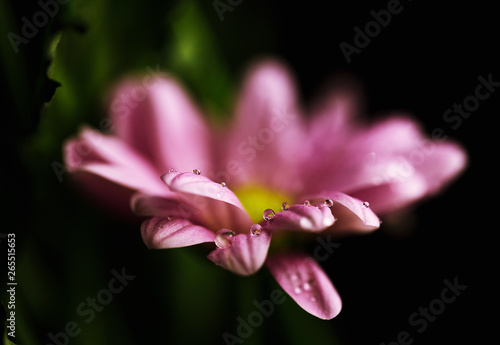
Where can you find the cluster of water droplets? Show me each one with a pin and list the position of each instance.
(301, 285)
(225, 238)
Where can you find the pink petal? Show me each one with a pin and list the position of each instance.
(351, 214)
(333, 116)
(160, 121)
(267, 128)
(302, 278)
(245, 255)
(111, 159)
(125, 177)
(390, 197)
(302, 218)
(363, 155)
(216, 205)
(161, 206)
(109, 170)
(428, 170)
(159, 233)
(440, 163)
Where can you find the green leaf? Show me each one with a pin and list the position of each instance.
(193, 54)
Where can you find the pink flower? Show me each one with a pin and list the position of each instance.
(270, 174)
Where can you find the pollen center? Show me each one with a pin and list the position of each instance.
(256, 199)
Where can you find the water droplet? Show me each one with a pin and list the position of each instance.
(328, 203)
(297, 290)
(313, 299)
(172, 170)
(294, 277)
(223, 184)
(170, 218)
(268, 214)
(366, 204)
(256, 229)
(306, 286)
(307, 203)
(224, 238)
(285, 206)
(197, 171)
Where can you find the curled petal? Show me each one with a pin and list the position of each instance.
(302, 278)
(158, 233)
(245, 255)
(302, 218)
(192, 183)
(352, 214)
(217, 206)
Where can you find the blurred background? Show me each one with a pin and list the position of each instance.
(426, 59)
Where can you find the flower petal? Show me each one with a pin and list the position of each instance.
(267, 128)
(422, 172)
(159, 233)
(160, 121)
(396, 195)
(302, 218)
(110, 171)
(362, 156)
(245, 255)
(160, 206)
(111, 159)
(218, 206)
(351, 214)
(443, 162)
(302, 278)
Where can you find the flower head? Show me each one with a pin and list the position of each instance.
(269, 174)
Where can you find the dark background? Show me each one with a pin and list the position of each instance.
(428, 58)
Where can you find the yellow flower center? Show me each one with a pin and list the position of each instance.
(256, 199)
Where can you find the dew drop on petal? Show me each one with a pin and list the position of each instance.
(224, 238)
(197, 171)
(223, 184)
(256, 229)
(268, 214)
(366, 204)
(285, 206)
(172, 170)
(297, 290)
(307, 203)
(328, 203)
(306, 286)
